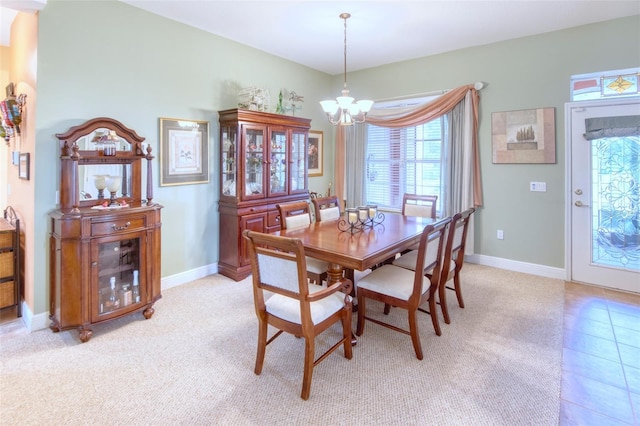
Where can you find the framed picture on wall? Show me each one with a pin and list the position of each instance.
(315, 153)
(23, 166)
(184, 151)
(526, 136)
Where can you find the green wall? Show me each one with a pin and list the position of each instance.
(105, 58)
(525, 73)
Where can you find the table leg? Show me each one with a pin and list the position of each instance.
(335, 273)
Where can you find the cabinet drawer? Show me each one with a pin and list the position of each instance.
(117, 225)
(251, 210)
(274, 219)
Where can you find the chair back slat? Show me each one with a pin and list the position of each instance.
(278, 264)
(458, 233)
(419, 205)
(297, 221)
(330, 213)
(294, 214)
(279, 272)
(327, 208)
(430, 257)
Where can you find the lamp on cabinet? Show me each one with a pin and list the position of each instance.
(100, 181)
(113, 185)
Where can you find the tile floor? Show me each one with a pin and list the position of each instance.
(600, 362)
(601, 357)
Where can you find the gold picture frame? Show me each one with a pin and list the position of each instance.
(315, 153)
(184, 151)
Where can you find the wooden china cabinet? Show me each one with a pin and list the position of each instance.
(105, 239)
(263, 162)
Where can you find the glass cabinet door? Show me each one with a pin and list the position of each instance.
(229, 161)
(119, 281)
(254, 162)
(298, 162)
(278, 162)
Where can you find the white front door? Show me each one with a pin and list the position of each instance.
(603, 199)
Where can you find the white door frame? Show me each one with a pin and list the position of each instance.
(568, 169)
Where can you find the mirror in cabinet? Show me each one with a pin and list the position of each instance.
(100, 165)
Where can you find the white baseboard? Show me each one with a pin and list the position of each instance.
(188, 276)
(41, 321)
(517, 266)
(33, 322)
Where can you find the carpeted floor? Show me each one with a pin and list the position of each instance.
(497, 363)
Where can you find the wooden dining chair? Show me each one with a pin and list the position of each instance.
(294, 215)
(327, 208)
(406, 289)
(295, 306)
(454, 259)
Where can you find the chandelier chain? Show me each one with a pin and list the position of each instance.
(345, 16)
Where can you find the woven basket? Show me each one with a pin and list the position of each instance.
(6, 239)
(6, 264)
(7, 295)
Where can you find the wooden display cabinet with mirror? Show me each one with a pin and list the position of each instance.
(105, 239)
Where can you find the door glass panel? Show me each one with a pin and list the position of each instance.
(298, 158)
(278, 164)
(616, 202)
(229, 152)
(118, 274)
(254, 162)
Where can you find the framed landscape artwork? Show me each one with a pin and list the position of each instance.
(184, 153)
(315, 153)
(525, 136)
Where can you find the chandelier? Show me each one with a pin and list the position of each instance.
(343, 110)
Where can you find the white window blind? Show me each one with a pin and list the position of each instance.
(407, 160)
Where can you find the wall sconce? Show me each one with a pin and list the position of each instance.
(11, 111)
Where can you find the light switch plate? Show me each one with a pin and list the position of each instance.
(15, 158)
(538, 186)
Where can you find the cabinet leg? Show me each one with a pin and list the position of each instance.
(148, 313)
(54, 326)
(85, 334)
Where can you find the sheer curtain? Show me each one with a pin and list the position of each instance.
(462, 180)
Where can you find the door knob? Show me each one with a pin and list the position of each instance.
(579, 204)
(578, 191)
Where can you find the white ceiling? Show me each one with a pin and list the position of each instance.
(379, 32)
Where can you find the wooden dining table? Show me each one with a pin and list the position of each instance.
(346, 251)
